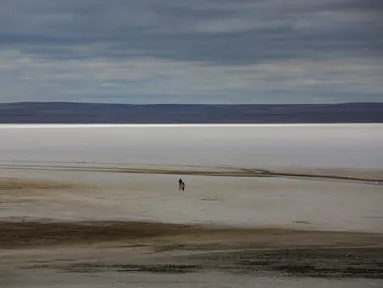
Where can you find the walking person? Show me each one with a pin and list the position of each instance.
(180, 184)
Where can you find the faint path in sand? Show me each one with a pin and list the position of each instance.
(371, 176)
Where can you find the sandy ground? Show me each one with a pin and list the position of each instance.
(68, 227)
(253, 201)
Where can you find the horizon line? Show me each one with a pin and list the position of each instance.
(185, 104)
(90, 125)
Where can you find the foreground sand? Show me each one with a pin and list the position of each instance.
(164, 248)
(73, 222)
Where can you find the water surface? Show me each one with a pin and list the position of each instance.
(343, 146)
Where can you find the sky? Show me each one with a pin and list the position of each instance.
(191, 51)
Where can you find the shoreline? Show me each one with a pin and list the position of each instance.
(372, 176)
(106, 125)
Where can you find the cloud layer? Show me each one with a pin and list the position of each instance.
(200, 51)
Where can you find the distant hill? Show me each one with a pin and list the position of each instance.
(61, 112)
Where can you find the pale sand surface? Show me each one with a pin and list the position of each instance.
(76, 228)
(307, 203)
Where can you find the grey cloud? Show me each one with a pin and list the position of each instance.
(220, 32)
(197, 50)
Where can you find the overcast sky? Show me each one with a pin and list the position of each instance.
(191, 51)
